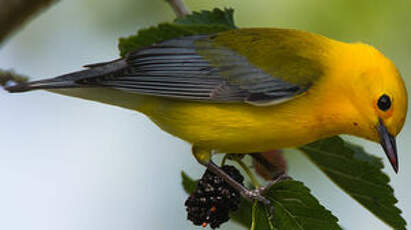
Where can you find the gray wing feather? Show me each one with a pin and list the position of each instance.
(175, 69)
(178, 69)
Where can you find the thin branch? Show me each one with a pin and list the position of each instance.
(11, 76)
(179, 7)
(14, 13)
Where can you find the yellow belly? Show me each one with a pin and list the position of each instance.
(232, 128)
(229, 128)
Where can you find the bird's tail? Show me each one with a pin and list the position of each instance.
(43, 84)
(71, 80)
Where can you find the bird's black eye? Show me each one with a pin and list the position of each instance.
(384, 102)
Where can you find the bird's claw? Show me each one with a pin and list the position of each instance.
(257, 194)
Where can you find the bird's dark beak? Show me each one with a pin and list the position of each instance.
(388, 144)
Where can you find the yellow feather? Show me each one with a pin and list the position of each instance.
(341, 102)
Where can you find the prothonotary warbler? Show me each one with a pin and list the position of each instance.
(250, 90)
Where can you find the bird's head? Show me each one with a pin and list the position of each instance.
(380, 98)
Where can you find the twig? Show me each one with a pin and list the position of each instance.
(253, 179)
(14, 13)
(179, 7)
(253, 215)
(7, 76)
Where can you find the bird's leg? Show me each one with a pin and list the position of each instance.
(278, 176)
(269, 169)
(204, 158)
(245, 192)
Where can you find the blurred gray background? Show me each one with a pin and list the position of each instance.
(71, 164)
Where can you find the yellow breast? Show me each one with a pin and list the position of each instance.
(243, 128)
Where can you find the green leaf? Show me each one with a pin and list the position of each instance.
(204, 22)
(243, 214)
(294, 208)
(205, 17)
(263, 220)
(162, 32)
(189, 184)
(359, 174)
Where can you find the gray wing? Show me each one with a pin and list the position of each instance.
(174, 69)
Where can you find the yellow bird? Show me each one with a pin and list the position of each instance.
(250, 90)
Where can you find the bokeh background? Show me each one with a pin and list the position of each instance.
(67, 163)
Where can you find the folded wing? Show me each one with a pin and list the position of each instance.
(189, 68)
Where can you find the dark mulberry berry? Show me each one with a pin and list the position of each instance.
(213, 199)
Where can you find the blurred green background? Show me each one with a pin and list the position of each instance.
(66, 163)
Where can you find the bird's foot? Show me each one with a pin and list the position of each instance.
(251, 195)
(204, 157)
(258, 193)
